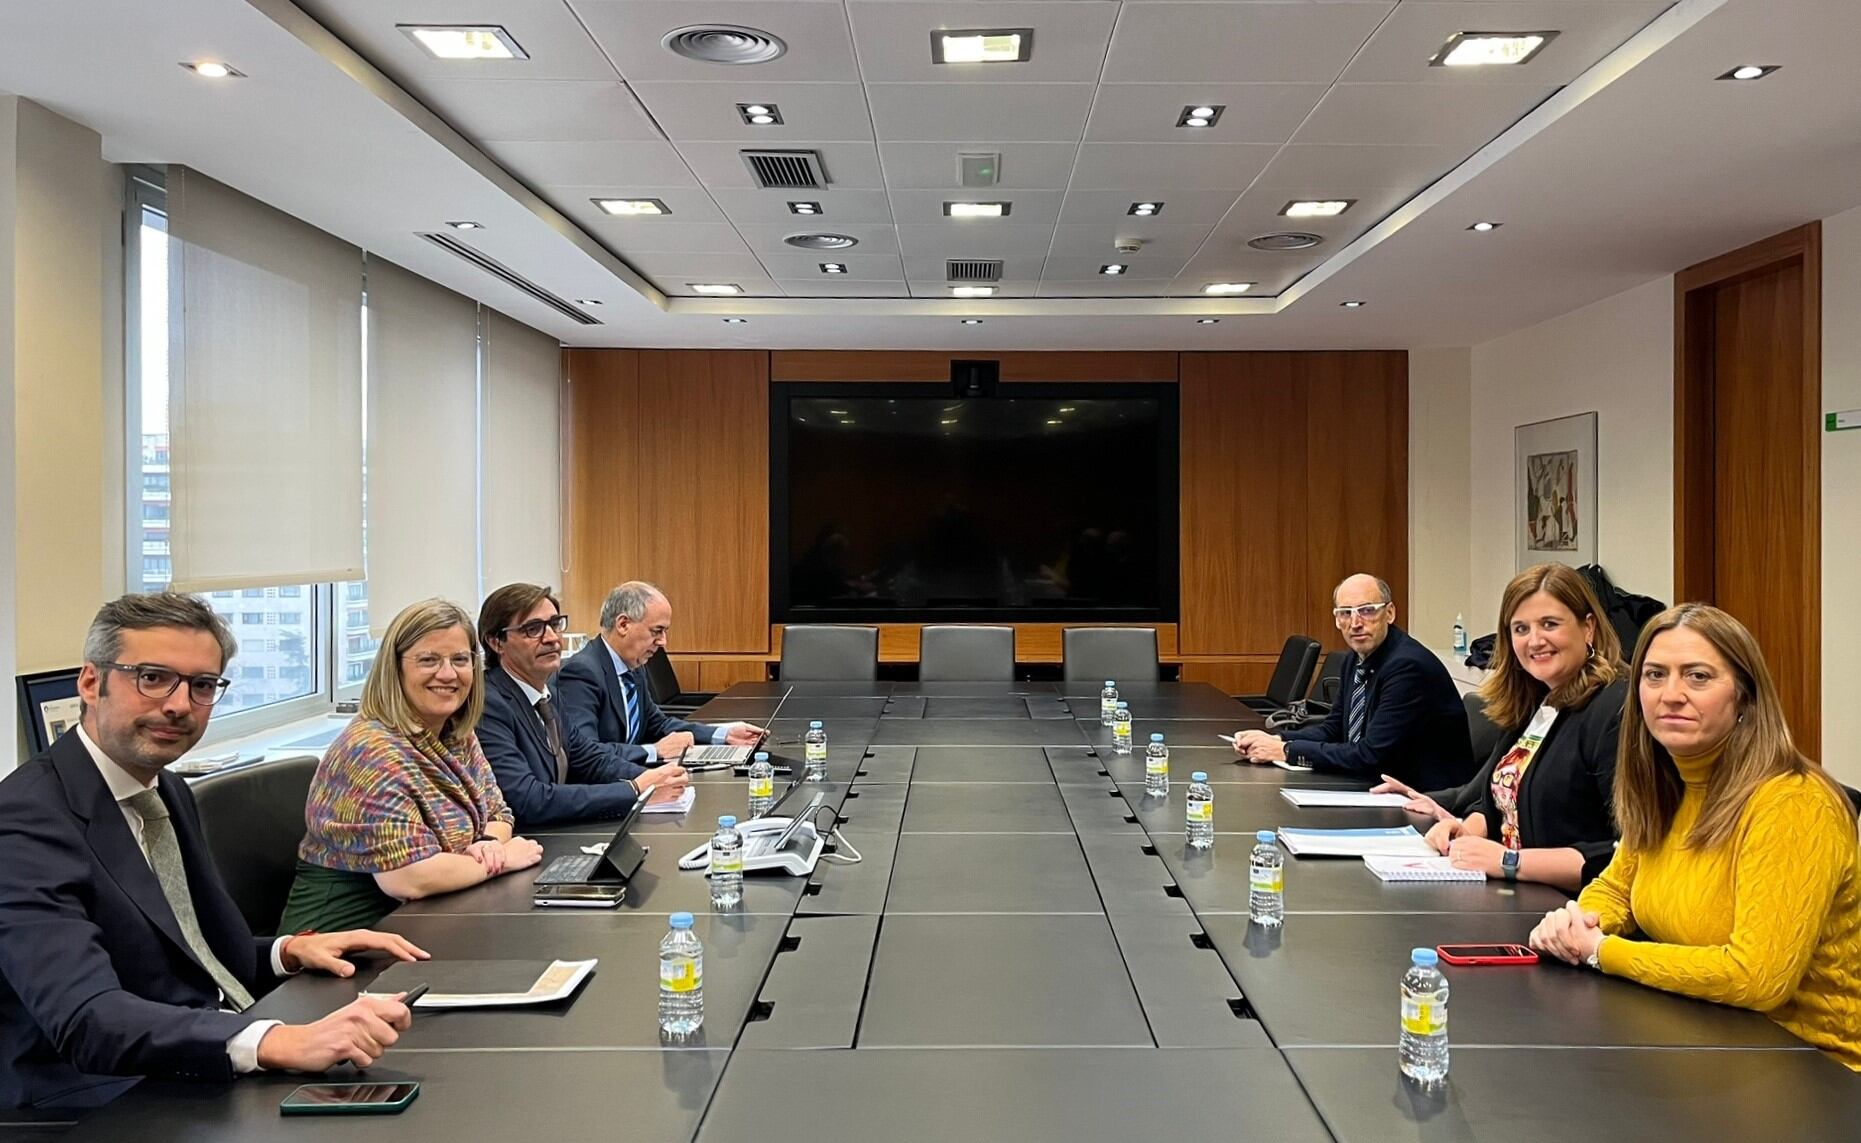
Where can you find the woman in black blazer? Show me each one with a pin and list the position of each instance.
(1539, 810)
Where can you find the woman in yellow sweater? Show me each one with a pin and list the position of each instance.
(1738, 857)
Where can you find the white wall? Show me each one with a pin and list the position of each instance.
(1440, 494)
(11, 739)
(1841, 494)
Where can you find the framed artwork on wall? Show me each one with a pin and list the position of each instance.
(1555, 491)
(48, 705)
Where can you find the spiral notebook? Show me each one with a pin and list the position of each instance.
(1418, 869)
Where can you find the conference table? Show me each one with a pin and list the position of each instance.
(1026, 950)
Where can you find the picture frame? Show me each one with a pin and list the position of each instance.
(48, 705)
(1555, 491)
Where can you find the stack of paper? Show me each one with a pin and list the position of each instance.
(1435, 868)
(1399, 842)
(484, 983)
(677, 805)
(1352, 798)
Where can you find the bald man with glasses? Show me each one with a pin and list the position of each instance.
(1398, 711)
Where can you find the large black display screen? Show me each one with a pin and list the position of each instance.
(1039, 502)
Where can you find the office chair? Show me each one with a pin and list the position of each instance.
(1292, 675)
(818, 652)
(1480, 729)
(1094, 654)
(662, 680)
(253, 819)
(967, 654)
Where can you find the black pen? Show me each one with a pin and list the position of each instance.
(412, 996)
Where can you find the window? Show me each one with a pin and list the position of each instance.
(290, 593)
(252, 593)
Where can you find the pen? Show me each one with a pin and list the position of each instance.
(412, 996)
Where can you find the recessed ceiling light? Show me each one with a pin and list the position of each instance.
(977, 209)
(1317, 208)
(627, 207)
(466, 224)
(1489, 49)
(1113, 268)
(465, 41)
(971, 291)
(213, 69)
(805, 208)
(587, 301)
(760, 114)
(982, 45)
(1145, 209)
(1483, 227)
(714, 288)
(1750, 71)
(833, 267)
(1208, 321)
(822, 241)
(1201, 115)
(967, 321)
(1351, 305)
(723, 44)
(1227, 287)
(736, 321)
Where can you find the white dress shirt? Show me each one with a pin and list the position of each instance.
(242, 1048)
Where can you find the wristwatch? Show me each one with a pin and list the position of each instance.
(1595, 959)
(1509, 864)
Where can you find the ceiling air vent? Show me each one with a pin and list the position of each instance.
(786, 170)
(974, 270)
(1290, 240)
(509, 277)
(724, 44)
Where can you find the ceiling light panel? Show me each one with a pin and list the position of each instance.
(632, 207)
(1490, 49)
(833, 267)
(810, 208)
(1149, 208)
(1227, 289)
(760, 114)
(464, 41)
(977, 209)
(714, 289)
(971, 291)
(1317, 208)
(982, 46)
(1197, 115)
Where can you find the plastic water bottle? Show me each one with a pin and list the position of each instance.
(1422, 1051)
(1201, 827)
(726, 864)
(1266, 880)
(1108, 702)
(681, 979)
(816, 744)
(1156, 767)
(1460, 636)
(762, 784)
(1121, 729)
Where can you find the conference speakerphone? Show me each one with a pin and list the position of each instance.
(777, 845)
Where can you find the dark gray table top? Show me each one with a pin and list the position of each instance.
(1001, 807)
(990, 873)
(972, 764)
(815, 989)
(977, 732)
(1248, 807)
(1215, 881)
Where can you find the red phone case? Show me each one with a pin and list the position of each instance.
(1520, 955)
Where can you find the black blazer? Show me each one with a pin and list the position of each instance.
(512, 737)
(96, 982)
(1415, 727)
(593, 701)
(1566, 798)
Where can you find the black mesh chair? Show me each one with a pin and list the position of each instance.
(962, 654)
(662, 680)
(823, 653)
(1292, 675)
(253, 818)
(1480, 729)
(1328, 685)
(1093, 654)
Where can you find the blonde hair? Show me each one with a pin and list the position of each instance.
(383, 698)
(1510, 691)
(1648, 786)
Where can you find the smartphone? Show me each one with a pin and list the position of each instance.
(577, 896)
(1487, 954)
(349, 1099)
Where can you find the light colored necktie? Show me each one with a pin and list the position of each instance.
(165, 858)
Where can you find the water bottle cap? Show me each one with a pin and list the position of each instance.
(1426, 958)
(762, 756)
(1122, 705)
(1110, 683)
(728, 821)
(1266, 837)
(1156, 738)
(815, 725)
(681, 920)
(1198, 776)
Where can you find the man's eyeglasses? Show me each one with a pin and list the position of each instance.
(1363, 611)
(463, 662)
(160, 682)
(535, 628)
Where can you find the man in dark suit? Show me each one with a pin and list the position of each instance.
(549, 770)
(121, 954)
(1398, 712)
(604, 689)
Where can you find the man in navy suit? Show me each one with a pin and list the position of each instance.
(604, 688)
(121, 954)
(1398, 711)
(550, 771)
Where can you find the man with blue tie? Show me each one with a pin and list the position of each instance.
(604, 688)
(1398, 711)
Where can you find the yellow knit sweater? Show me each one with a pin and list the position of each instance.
(1771, 920)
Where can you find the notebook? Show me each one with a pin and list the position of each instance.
(678, 805)
(1402, 841)
(1347, 798)
(1437, 868)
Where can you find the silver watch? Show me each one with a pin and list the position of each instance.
(1595, 959)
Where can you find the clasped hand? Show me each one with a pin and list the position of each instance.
(1570, 933)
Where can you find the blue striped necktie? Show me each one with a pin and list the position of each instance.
(633, 705)
(1360, 703)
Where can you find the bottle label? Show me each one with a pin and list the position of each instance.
(1154, 764)
(1107, 709)
(680, 974)
(1264, 880)
(762, 787)
(1121, 727)
(1422, 1016)
(726, 863)
(1200, 811)
(817, 752)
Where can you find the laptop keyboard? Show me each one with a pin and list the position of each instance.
(567, 869)
(714, 755)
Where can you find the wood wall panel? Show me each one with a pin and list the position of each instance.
(1233, 676)
(602, 391)
(934, 365)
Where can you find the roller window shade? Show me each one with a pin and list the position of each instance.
(265, 393)
(522, 457)
(422, 443)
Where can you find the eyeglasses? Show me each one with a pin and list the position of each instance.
(427, 661)
(160, 682)
(1363, 611)
(535, 628)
